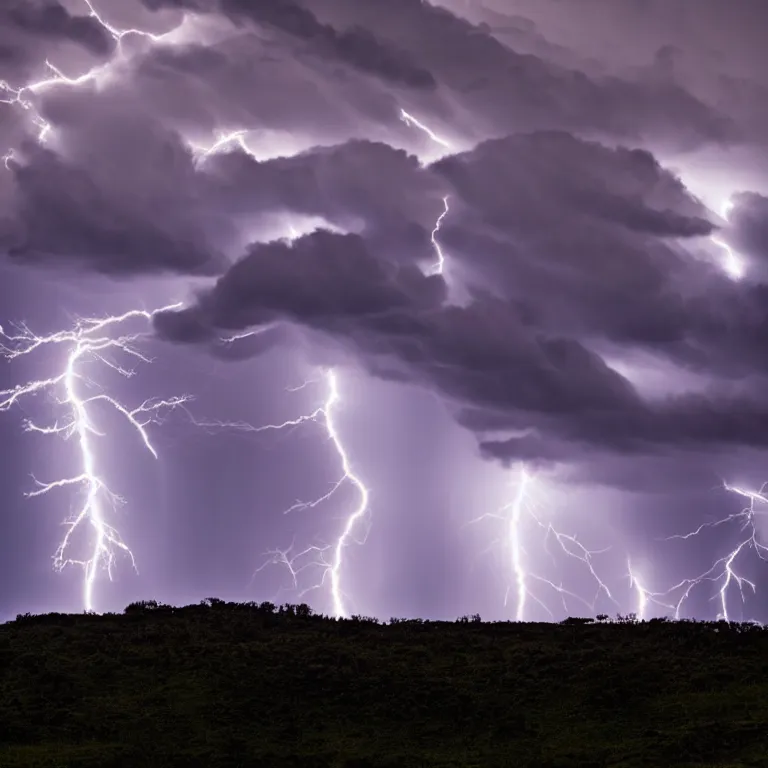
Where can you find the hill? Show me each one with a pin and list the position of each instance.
(224, 684)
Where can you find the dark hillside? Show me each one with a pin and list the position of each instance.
(224, 684)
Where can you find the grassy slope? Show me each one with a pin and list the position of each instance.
(231, 685)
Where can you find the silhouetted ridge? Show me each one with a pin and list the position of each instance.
(231, 684)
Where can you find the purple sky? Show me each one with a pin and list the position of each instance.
(534, 410)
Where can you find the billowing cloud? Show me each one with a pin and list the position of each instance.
(28, 30)
(748, 230)
(500, 373)
(357, 47)
(569, 244)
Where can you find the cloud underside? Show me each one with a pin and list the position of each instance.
(571, 252)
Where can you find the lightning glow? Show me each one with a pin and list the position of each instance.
(642, 594)
(515, 510)
(119, 34)
(412, 122)
(101, 342)
(439, 266)
(21, 96)
(520, 508)
(224, 139)
(644, 597)
(329, 559)
(520, 518)
(90, 340)
(733, 265)
(723, 574)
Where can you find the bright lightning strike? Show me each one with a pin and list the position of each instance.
(412, 122)
(516, 517)
(642, 593)
(90, 341)
(515, 510)
(733, 266)
(119, 34)
(224, 140)
(332, 568)
(723, 573)
(21, 96)
(329, 559)
(644, 596)
(440, 264)
(349, 475)
(520, 508)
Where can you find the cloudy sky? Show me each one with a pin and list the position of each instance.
(499, 268)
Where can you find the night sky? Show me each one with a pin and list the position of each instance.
(500, 269)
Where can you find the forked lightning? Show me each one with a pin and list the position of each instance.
(90, 341)
(521, 513)
(329, 559)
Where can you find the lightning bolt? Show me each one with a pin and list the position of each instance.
(119, 34)
(412, 122)
(519, 509)
(329, 559)
(515, 516)
(516, 511)
(21, 96)
(642, 593)
(733, 265)
(439, 266)
(723, 572)
(348, 476)
(90, 340)
(645, 597)
(224, 139)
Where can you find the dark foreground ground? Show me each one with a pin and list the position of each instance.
(236, 685)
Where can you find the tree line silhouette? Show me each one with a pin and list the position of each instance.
(222, 683)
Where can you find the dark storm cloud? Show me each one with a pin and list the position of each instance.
(27, 30)
(585, 237)
(63, 219)
(504, 91)
(334, 283)
(499, 373)
(519, 180)
(748, 227)
(565, 248)
(322, 280)
(245, 80)
(121, 200)
(358, 186)
(485, 88)
(357, 47)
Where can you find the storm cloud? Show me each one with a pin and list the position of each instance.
(553, 228)
(571, 241)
